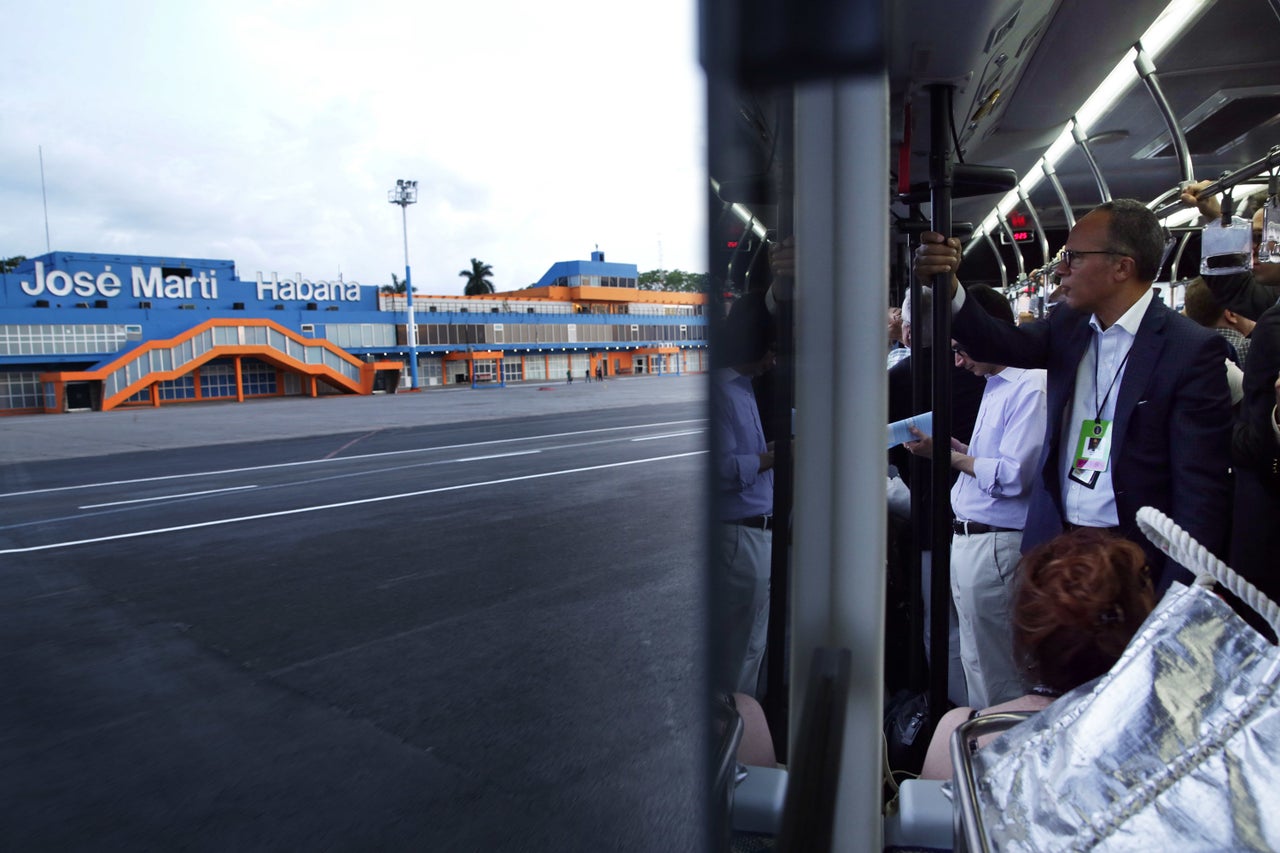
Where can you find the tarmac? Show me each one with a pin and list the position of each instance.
(27, 438)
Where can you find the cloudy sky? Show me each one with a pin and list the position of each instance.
(269, 133)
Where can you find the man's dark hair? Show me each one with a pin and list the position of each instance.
(1199, 304)
(991, 300)
(1133, 230)
(746, 333)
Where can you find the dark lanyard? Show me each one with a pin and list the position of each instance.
(1097, 359)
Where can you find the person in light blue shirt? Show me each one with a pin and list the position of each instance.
(990, 500)
(744, 479)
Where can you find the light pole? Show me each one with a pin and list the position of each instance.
(405, 194)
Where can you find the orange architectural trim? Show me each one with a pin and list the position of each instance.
(264, 352)
(472, 356)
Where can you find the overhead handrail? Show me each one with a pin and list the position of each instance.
(1229, 180)
(1041, 237)
(747, 229)
(1183, 242)
(1147, 71)
(1017, 253)
(1078, 134)
(1051, 175)
(995, 250)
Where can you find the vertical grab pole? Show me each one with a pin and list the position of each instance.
(838, 578)
(776, 704)
(940, 97)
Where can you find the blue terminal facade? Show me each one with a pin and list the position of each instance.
(89, 331)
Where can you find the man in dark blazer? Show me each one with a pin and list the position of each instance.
(1139, 412)
(1255, 537)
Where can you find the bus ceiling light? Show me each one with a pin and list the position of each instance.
(1064, 144)
(1168, 26)
(1112, 89)
(1006, 204)
(1033, 178)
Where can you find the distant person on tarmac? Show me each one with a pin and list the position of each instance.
(568, 375)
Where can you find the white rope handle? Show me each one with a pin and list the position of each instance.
(1181, 547)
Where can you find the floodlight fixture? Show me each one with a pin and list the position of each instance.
(404, 194)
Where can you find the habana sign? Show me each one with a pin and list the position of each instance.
(150, 282)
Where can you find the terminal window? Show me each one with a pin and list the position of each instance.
(32, 339)
(20, 390)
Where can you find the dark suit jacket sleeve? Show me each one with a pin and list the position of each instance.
(1254, 443)
(987, 339)
(1200, 439)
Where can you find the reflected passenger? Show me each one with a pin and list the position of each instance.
(744, 476)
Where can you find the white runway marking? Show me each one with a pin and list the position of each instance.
(381, 499)
(343, 458)
(670, 435)
(497, 456)
(168, 497)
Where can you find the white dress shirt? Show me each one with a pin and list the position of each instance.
(1102, 367)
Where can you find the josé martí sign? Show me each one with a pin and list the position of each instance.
(150, 282)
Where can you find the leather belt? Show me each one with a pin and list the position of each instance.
(762, 522)
(1069, 527)
(964, 528)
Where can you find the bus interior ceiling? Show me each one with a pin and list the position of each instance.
(1021, 69)
(1020, 72)
(1045, 59)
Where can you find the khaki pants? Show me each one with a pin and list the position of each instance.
(742, 585)
(982, 566)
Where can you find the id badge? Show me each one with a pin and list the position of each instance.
(1093, 448)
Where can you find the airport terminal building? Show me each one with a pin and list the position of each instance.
(86, 332)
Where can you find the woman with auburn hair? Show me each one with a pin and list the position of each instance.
(1078, 600)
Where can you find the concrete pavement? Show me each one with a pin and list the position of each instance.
(26, 438)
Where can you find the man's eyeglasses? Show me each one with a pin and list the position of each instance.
(959, 350)
(1073, 257)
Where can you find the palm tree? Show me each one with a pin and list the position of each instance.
(396, 286)
(477, 278)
